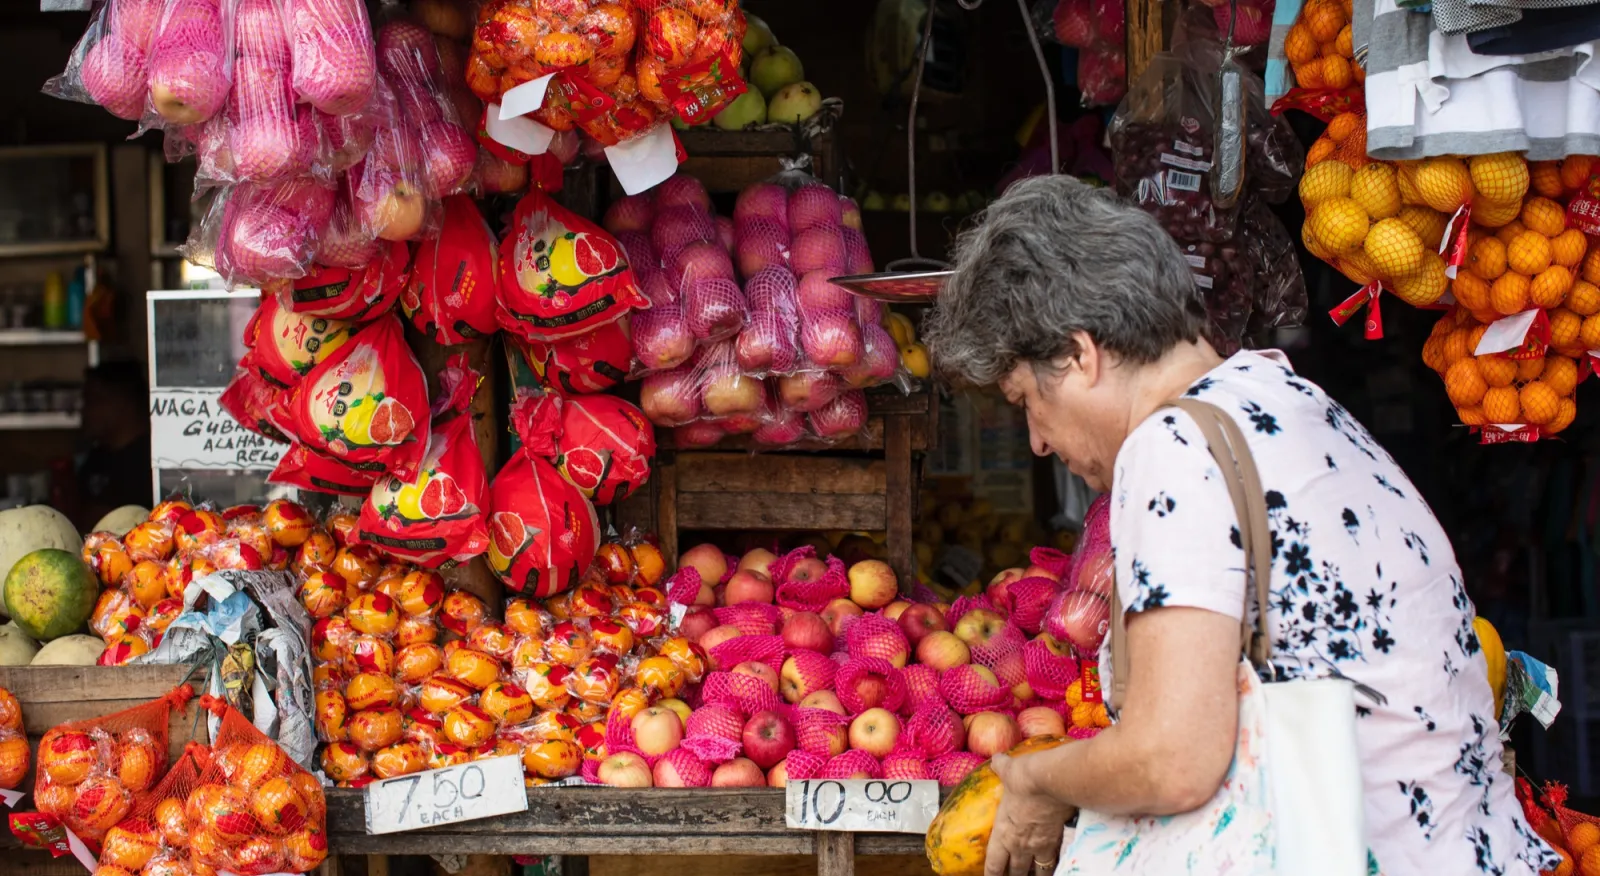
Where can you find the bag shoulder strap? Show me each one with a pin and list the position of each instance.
(1238, 467)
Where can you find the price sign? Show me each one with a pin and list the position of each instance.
(190, 430)
(479, 789)
(877, 805)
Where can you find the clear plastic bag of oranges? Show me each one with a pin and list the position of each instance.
(94, 773)
(13, 742)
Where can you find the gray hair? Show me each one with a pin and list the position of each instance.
(1055, 256)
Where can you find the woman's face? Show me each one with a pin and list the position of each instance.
(1069, 415)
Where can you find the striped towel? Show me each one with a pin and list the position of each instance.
(1429, 94)
(1279, 76)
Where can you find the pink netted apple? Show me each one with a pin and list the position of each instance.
(677, 227)
(758, 560)
(259, 37)
(978, 626)
(741, 772)
(725, 234)
(875, 731)
(807, 569)
(188, 83)
(499, 176)
(114, 74)
(760, 244)
(872, 584)
(135, 21)
(825, 700)
(830, 338)
(942, 650)
(334, 63)
(716, 636)
(450, 153)
(784, 428)
(760, 671)
(682, 190)
(818, 249)
(803, 674)
(778, 776)
(661, 337)
(630, 213)
(807, 630)
(992, 733)
(671, 398)
(748, 586)
(262, 240)
(405, 50)
(768, 201)
(1081, 618)
(879, 361)
(680, 770)
(840, 418)
(657, 730)
(625, 770)
(919, 619)
(809, 390)
(1040, 721)
(700, 260)
(708, 560)
(814, 205)
(816, 293)
(768, 739)
(728, 391)
(837, 611)
(870, 689)
(696, 624)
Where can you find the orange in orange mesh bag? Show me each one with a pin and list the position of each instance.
(94, 773)
(155, 838)
(13, 743)
(362, 404)
(253, 811)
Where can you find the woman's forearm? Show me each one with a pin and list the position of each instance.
(1116, 774)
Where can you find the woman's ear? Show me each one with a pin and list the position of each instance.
(1091, 359)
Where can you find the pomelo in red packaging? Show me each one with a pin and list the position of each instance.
(363, 404)
(600, 443)
(307, 469)
(252, 401)
(354, 294)
(285, 346)
(456, 277)
(436, 519)
(591, 362)
(560, 274)
(543, 532)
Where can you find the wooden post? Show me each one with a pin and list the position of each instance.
(377, 865)
(900, 498)
(836, 853)
(666, 478)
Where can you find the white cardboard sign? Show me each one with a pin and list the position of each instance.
(480, 789)
(643, 162)
(190, 430)
(872, 805)
(518, 132)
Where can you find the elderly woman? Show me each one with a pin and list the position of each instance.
(1085, 314)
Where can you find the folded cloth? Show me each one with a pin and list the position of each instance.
(1539, 30)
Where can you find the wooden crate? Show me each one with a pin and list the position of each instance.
(52, 695)
(728, 161)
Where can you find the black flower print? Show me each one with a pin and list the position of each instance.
(1199, 386)
(1235, 537)
(1340, 421)
(1450, 667)
(1275, 501)
(1146, 595)
(1474, 762)
(1297, 559)
(1265, 423)
(1427, 721)
(1162, 505)
(1483, 854)
(1328, 458)
(1301, 388)
(1381, 640)
(1171, 423)
(1421, 807)
(1535, 853)
(1352, 524)
(1384, 482)
(1416, 543)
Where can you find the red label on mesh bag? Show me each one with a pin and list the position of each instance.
(1090, 676)
(700, 90)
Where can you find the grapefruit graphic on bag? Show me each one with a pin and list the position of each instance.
(560, 274)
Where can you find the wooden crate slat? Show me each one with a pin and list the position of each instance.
(737, 511)
(76, 684)
(427, 843)
(598, 811)
(776, 473)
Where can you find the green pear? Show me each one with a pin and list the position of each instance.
(745, 110)
(874, 201)
(757, 35)
(794, 103)
(775, 68)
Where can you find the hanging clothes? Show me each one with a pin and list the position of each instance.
(1538, 30)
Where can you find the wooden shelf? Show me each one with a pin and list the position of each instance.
(39, 422)
(27, 337)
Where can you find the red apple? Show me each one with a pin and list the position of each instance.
(706, 596)
(978, 626)
(826, 700)
(838, 740)
(943, 650)
(767, 739)
(871, 689)
(872, 584)
(758, 560)
(741, 772)
(778, 776)
(678, 707)
(708, 560)
(697, 623)
(1053, 645)
(757, 669)
(918, 620)
(748, 586)
(625, 770)
(657, 730)
(793, 683)
(837, 610)
(666, 775)
(1040, 572)
(875, 731)
(715, 637)
(893, 610)
(1041, 721)
(807, 630)
(1005, 576)
(808, 569)
(991, 733)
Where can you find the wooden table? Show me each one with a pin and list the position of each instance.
(582, 821)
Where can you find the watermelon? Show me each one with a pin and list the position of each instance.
(50, 593)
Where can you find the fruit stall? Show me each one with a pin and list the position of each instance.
(598, 519)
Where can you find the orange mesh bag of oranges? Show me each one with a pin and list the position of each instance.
(1519, 395)
(154, 840)
(13, 742)
(253, 810)
(92, 774)
(1574, 835)
(1321, 53)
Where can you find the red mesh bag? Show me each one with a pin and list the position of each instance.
(13, 742)
(1051, 560)
(436, 518)
(1030, 600)
(853, 764)
(934, 731)
(688, 55)
(952, 768)
(964, 604)
(968, 692)
(905, 766)
(801, 764)
(684, 585)
(594, 361)
(858, 670)
(762, 649)
(691, 770)
(769, 343)
(808, 595)
(875, 636)
(815, 730)
(1009, 640)
(252, 402)
(561, 275)
(307, 469)
(600, 443)
(1048, 673)
(752, 618)
(818, 670)
(284, 346)
(454, 283)
(746, 692)
(92, 774)
(354, 294)
(922, 686)
(543, 531)
(1010, 669)
(363, 403)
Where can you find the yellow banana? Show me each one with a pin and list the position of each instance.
(1494, 655)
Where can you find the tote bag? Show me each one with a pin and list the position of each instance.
(1291, 802)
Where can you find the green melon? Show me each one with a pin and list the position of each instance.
(49, 593)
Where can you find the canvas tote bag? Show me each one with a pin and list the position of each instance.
(1291, 802)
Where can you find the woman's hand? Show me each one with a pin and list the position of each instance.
(1027, 824)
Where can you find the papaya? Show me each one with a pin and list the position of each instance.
(959, 834)
(1494, 654)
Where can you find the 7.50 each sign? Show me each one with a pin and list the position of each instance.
(480, 789)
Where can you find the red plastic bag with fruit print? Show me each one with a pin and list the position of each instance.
(354, 294)
(254, 811)
(600, 443)
(588, 363)
(362, 404)
(436, 519)
(560, 274)
(302, 467)
(451, 296)
(284, 346)
(543, 532)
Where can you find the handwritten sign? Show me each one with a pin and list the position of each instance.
(480, 789)
(190, 430)
(876, 805)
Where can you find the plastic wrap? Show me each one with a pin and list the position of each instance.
(542, 530)
(191, 62)
(1280, 297)
(390, 189)
(688, 56)
(254, 233)
(332, 60)
(284, 346)
(456, 277)
(589, 363)
(601, 444)
(354, 295)
(110, 65)
(409, 61)
(560, 275)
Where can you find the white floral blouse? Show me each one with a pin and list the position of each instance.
(1364, 581)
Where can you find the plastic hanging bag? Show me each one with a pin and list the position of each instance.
(560, 275)
(1280, 293)
(437, 518)
(409, 61)
(252, 401)
(601, 444)
(543, 531)
(334, 68)
(592, 362)
(689, 54)
(456, 278)
(354, 295)
(284, 346)
(191, 63)
(390, 189)
(110, 65)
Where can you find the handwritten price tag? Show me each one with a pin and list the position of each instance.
(480, 789)
(875, 805)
